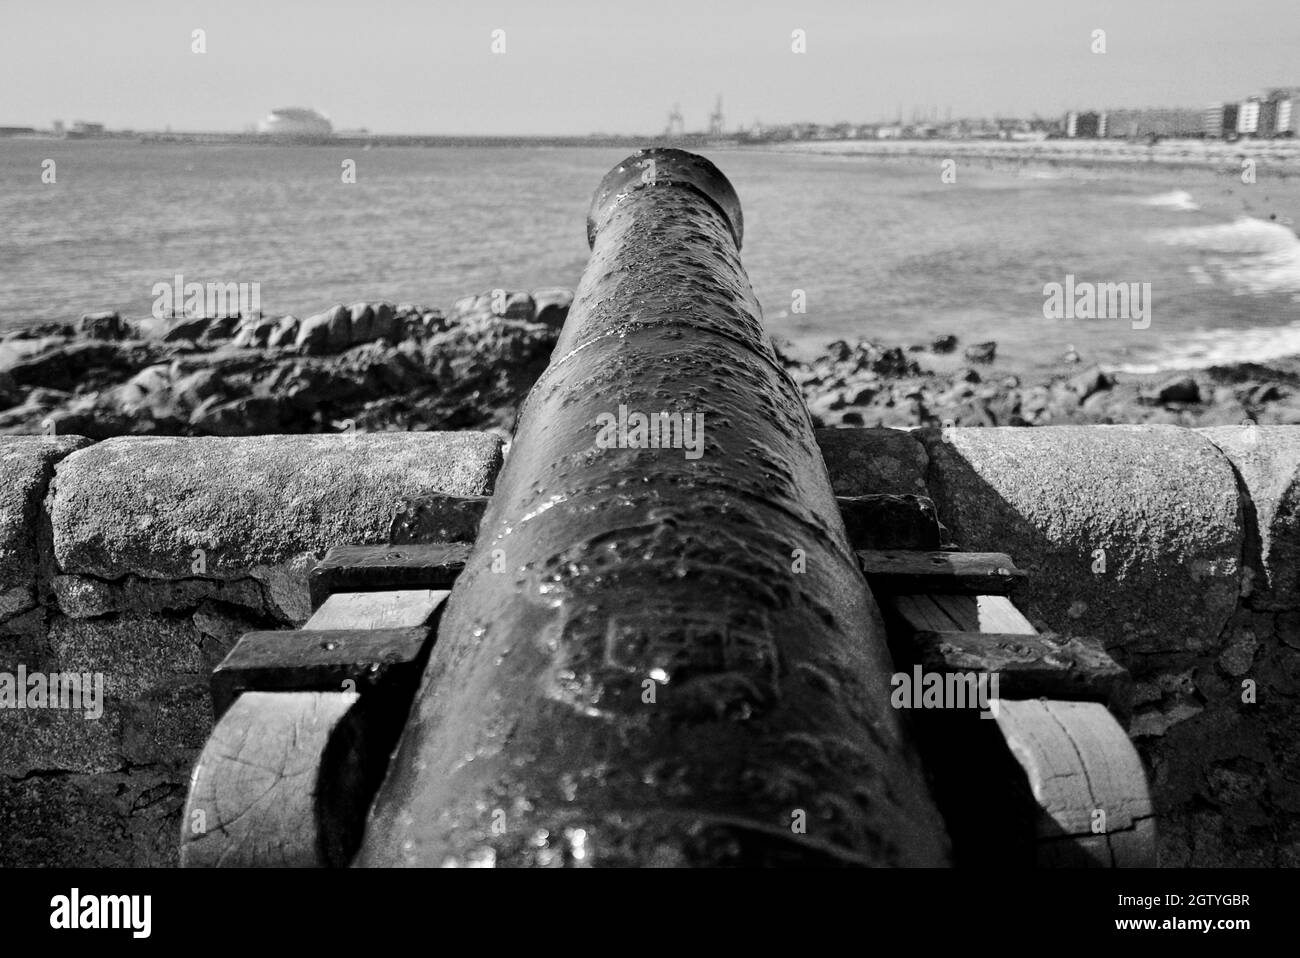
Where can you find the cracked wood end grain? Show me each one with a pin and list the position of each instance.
(1088, 781)
(282, 782)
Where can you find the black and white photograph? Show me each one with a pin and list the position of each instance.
(440, 434)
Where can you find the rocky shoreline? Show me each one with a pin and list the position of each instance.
(365, 367)
(380, 366)
(866, 384)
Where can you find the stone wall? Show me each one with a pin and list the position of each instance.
(144, 559)
(1180, 550)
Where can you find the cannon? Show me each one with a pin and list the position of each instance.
(661, 648)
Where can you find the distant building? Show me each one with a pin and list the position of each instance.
(295, 121)
(1220, 120)
(1281, 111)
(1146, 123)
(1085, 125)
(1267, 126)
(82, 128)
(58, 128)
(1248, 116)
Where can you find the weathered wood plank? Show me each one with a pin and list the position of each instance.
(919, 612)
(984, 613)
(891, 522)
(389, 661)
(1088, 781)
(403, 609)
(1028, 666)
(387, 568)
(1060, 768)
(955, 573)
(284, 780)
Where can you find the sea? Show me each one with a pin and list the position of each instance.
(897, 250)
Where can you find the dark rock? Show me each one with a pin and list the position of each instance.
(9, 393)
(497, 303)
(285, 333)
(198, 386)
(43, 331)
(252, 415)
(1088, 382)
(1178, 389)
(433, 321)
(385, 324)
(1265, 392)
(944, 344)
(361, 323)
(254, 333)
(327, 332)
(68, 367)
(189, 328)
(981, 352)
(863, 396)
(551, 306)
(220, 329)
(106, 325)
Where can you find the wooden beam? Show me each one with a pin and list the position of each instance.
(401, 609)
(386, 568)
(361, 660)
(1028, 666)
(1050, 782)
(952, 573)
(968, 613)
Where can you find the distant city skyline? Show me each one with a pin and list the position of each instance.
(572, 68)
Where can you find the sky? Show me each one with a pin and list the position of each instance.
(586, 66)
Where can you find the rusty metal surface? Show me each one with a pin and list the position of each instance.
(652, 658)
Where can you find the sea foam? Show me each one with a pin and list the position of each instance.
(1173, 200)
(1249, 255)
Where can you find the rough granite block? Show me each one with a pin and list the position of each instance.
(1131, 534)
(260, 506)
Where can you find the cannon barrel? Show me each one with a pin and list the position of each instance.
(661, 649)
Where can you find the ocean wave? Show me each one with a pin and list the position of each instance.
(1249, 255)
(1220, 347)
(1173, 200)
